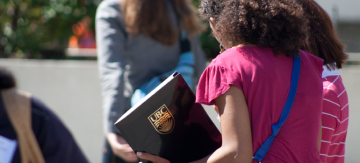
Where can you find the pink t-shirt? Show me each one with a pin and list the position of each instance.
(335, 118)
(265, 80)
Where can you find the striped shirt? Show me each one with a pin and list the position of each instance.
(335, 118)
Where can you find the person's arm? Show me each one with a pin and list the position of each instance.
(110, 39)
(120, 147)
(110, 42)
(329, 122)
(320, 136)
(235, 128)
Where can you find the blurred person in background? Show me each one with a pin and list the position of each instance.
(324, 43)
(55, 141)
(138, 40)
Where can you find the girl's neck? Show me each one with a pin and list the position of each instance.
(244, 44)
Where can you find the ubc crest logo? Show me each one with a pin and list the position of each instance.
(162, 120)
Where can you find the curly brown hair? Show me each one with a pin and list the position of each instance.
(323, 40)
(278, 24)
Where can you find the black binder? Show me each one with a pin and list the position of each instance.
(168, 123)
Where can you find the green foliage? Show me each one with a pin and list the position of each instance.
(31, 26)
(208, 43)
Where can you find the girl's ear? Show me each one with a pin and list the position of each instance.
(212, 21)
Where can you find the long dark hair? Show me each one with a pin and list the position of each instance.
(7, 79)
(323, 40)
(151, 17)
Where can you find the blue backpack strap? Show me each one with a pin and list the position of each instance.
(275, 128)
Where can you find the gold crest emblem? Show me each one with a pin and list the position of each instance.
(162, 120)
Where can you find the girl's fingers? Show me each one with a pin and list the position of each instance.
(127, 149)
(152, 158)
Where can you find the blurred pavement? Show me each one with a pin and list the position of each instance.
(72, 90)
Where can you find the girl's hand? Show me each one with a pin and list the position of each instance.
(157, 159)
(152, 158)
(216, 109)
(120, 148)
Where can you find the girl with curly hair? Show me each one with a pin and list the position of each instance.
(250, 81)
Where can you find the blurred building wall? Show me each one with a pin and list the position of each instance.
(346, 17)
(349, 34)
(348, 10)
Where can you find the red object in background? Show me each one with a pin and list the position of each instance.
(83, 37)
(73, 42)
